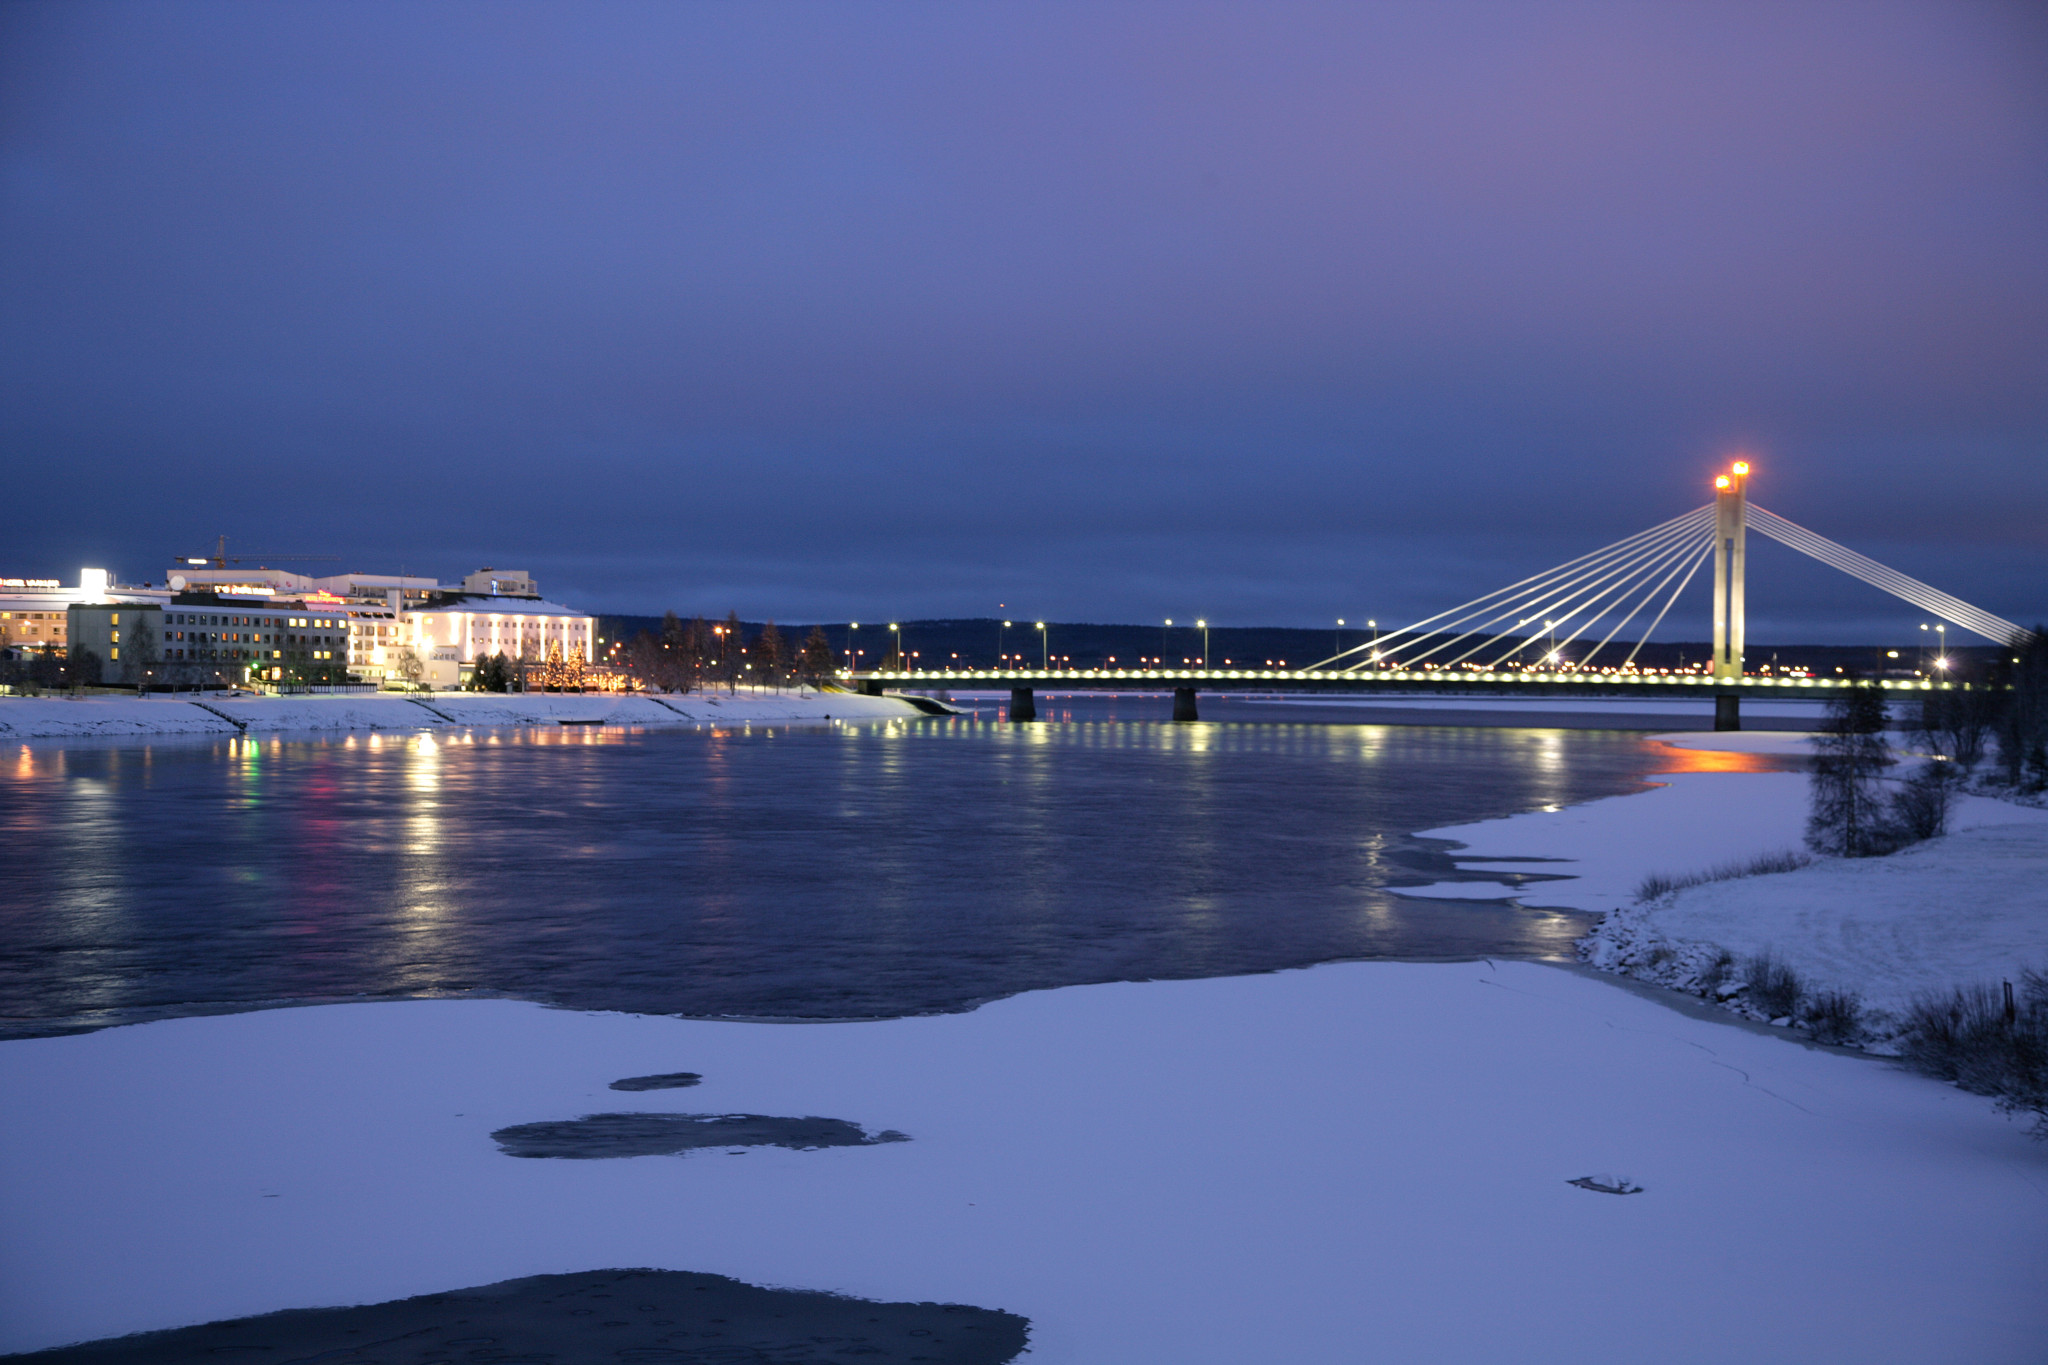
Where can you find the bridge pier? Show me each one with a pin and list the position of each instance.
(869, 688)
(1023, 706)
(1727, 710)
(1184, 704)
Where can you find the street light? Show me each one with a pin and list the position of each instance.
(1338, 639)
(1162, 640)
(898, 645)
(1204, 625)
(852, 660)
(1002, 656)
(1044, 649)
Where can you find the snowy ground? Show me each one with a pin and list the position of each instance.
(115, 717)
(1358, 1161)
(1968, 907)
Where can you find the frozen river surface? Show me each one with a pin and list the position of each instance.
(836, 871)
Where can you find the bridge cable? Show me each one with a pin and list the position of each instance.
(1466, 610)
(1651, 629)
(1637, 546)
(1952, 609)
(1571, 571)
(1528, 603)
(1649, 597)
(1597, 593)
(1609, 599)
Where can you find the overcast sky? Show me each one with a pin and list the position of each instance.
(1262, 312)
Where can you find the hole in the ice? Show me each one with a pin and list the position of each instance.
(673, 1080)
(620, 1135)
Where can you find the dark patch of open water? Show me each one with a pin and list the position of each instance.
(821, 872)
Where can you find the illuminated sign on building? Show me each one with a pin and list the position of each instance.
(29, 583)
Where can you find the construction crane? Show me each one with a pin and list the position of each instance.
(220, 558)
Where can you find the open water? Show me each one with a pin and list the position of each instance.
(777, 871)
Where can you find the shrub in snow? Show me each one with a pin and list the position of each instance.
(1659, 884)
(1774, 988)
(1715, 974)
(1989, 1040)
(1835, 1016)
(1956, 726)
(1920, 808)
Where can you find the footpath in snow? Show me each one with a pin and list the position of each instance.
(1356, 1161)
(120, 717)
(1970, 906)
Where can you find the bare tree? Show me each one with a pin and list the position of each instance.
(143, 650)
(1956, 727)
(2023, 728)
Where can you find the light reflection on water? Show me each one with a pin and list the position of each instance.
(758, 870)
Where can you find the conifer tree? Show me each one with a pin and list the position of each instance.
(769, 655)
(1847, 817)
(815, 664)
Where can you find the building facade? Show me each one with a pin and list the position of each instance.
(199, 640)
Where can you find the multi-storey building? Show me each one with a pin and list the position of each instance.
(199, 639)
(34, 612)
(448, 634)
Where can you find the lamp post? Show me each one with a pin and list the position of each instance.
(1162, 640)
(897, 645)
(1044, 649)
(1338, 639)
(1374, 627)
(1002, 654)
(852, 659)
(1204, 625)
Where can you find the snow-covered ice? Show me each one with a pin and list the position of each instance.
(1356, 1161)
(1695, 820)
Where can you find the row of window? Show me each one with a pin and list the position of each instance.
(194, 655)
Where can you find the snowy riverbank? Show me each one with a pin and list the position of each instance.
(120, 717)
(1275, 1167)
(1970, 906)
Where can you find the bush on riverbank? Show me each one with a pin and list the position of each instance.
(1663, 884)
(1992, 1041)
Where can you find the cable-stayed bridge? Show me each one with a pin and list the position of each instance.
(1562, 632)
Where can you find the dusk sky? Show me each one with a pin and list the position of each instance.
(1268, 313)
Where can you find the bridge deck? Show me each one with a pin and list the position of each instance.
(1668, 685)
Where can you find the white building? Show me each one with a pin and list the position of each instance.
(448, 634)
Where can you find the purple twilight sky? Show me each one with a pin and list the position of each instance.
(1270, 313)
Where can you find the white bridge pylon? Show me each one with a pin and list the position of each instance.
(1612, 586)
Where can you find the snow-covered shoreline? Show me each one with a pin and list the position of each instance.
(1969, 906)
(36, 718)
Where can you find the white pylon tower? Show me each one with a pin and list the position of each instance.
(1731, 558)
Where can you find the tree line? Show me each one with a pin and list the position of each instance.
(1856, 813)
(688, 656)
